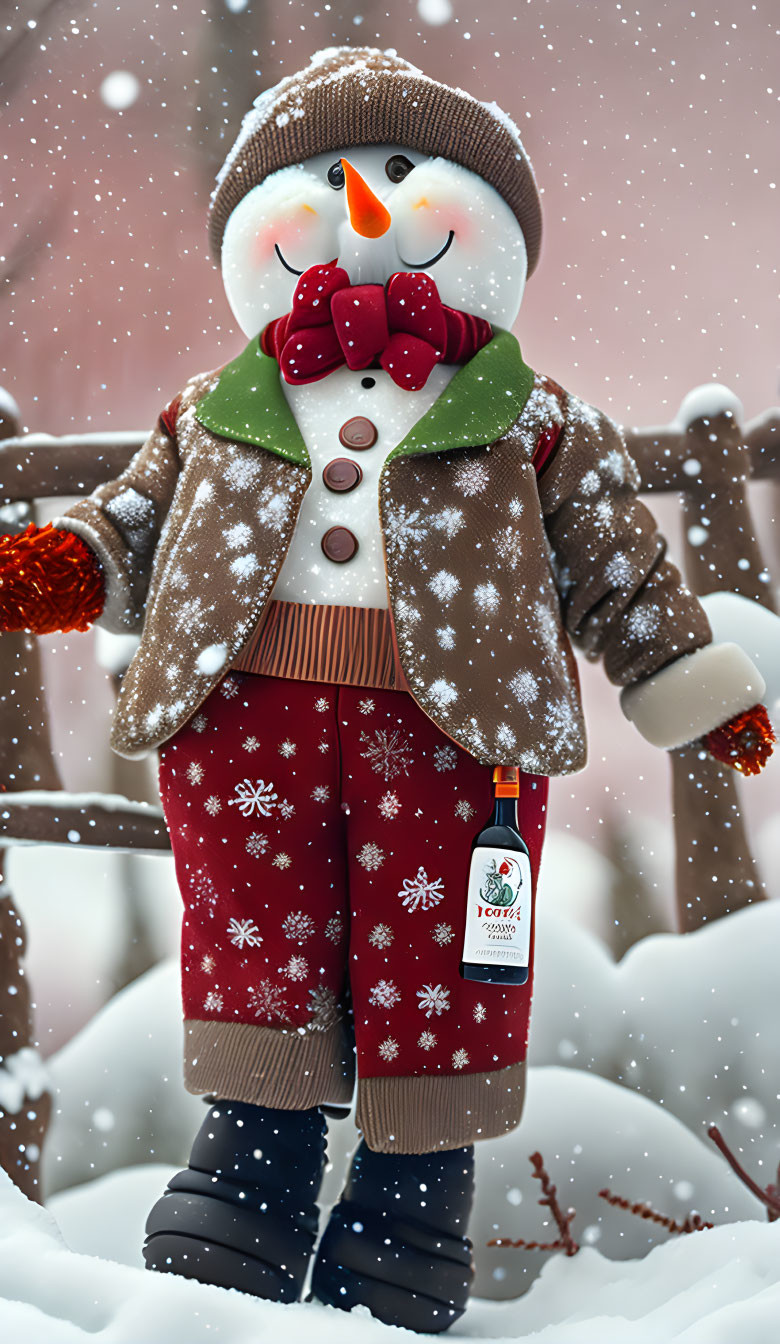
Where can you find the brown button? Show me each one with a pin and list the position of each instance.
(358, 433)
(339, 544)
(342, 474)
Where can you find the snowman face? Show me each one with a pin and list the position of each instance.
(396, 211)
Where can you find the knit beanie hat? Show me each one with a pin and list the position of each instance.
(352, 96)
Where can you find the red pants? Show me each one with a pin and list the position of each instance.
(321, 835)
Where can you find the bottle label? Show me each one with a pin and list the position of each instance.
(498, 909)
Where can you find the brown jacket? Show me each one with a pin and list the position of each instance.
(488, 563)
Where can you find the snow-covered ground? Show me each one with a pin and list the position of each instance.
(707, 1288)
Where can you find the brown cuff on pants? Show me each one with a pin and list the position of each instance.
(423, 1114)
(288, 1068)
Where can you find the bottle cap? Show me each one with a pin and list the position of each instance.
(506, 779)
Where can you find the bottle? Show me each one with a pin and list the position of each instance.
(499, 901)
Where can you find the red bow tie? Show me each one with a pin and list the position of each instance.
(405, 327)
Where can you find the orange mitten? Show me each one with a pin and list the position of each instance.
(745, 742)
(49, 580)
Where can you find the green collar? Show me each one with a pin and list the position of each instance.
(478, 405)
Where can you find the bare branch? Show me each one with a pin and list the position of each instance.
(770, 1197)
(692, 1223)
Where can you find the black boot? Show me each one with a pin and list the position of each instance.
(243, 1215)
(396, 1240)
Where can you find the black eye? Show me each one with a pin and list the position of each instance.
(336, 176)
(398, 167)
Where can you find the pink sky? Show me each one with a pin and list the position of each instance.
(653, 129)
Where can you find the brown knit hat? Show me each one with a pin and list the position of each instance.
(363, 96)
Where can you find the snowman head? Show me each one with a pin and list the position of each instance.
(363, 161)
(374, 210)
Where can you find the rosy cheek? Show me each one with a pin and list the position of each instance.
(438, 215)
(263, 244)
(287, 231)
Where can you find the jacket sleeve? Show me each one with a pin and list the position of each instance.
(122, 520)
(623, 600)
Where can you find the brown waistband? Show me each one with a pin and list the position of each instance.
(352, 646)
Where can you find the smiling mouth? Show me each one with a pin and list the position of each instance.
(423, 265)
(285, 264)
(410, 265)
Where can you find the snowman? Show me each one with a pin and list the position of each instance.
(358, 556)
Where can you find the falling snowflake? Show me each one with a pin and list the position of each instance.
(420, 892)
(213, 1002)
(323, 1008)
(258, 797)
(250, 744)
(334, 929)
(459, 1059)
(480, 1012)
(207, 963)
(389, 806)
(195, 772)
(443, 934)
(298, 926)
(212, 805)
(321, 704)
(286, 810)
(320, 793)
(267, 1000)
(366, 706)
(471, 478)
(244, 933)
(464, 810)
(229, 687)
(323, 746)
(256, 844)
(388, 1049)
(199, 723)
(381, 936)
(287, 748)
(281, 860)
(426, 1040)
(388, 753)
(445, 758)
(297, 968)
(384, 994)
(446, 636)
(202, 890)
(370, 856)
(433, 999)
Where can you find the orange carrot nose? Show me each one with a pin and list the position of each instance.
(367, 215)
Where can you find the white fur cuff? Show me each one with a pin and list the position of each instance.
(693, 695)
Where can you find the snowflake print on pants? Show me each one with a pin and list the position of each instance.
(433, 999)
(299, 963)
(420, 893)
(385, 994)
(244, 933)
(254, 798)
(389, 752)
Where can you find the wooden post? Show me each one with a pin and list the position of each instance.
(706, 456)
(26, 761)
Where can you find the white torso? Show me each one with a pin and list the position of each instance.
(320, 410)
